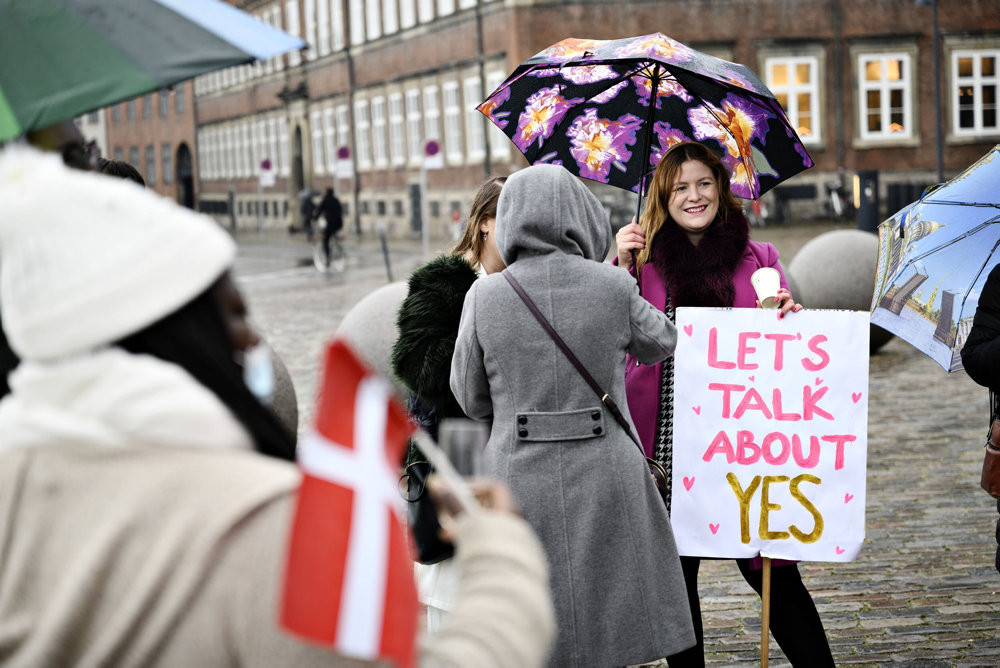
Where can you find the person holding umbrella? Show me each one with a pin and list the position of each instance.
(692, 248)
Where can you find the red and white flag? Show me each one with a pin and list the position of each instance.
(349, 578)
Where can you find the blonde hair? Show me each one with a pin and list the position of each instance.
(484, 207)
(656, 213)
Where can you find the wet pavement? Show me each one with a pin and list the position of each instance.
(923, 590)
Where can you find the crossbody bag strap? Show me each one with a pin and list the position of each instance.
(605, 398)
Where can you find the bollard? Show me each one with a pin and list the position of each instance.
(385, 251)
(866, 199)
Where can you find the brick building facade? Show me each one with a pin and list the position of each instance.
(156, 134)
(381, 77)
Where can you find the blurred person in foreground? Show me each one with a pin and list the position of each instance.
(143, 526)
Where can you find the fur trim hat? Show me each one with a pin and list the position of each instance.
(86, 259)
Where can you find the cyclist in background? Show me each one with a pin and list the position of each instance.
(330, 209)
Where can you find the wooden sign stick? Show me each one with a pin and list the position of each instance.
(765, 612)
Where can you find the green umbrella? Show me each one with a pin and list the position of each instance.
(61, 58)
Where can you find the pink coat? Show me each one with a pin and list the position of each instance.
(642, 383)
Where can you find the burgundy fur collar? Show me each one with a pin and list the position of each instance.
(701, 275)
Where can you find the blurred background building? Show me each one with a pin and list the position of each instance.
(383, 78)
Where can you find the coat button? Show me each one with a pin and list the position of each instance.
(596, 415)
(522, 419)
(598, 430)
(522, 432)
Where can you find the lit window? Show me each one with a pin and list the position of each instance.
(974, 92)
(793, 80)
(884, 96)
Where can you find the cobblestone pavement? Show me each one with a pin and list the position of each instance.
(923, 590)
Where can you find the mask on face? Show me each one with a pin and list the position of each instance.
(258, 373)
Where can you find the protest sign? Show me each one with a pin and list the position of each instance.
(770, 433)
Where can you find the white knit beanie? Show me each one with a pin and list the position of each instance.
(87, 259)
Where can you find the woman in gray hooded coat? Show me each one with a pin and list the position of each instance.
(581, 482)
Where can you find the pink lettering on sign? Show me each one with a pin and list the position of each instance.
(713, 352)
(840, 440)
(745, 349)
(774, 449)
(824, 357)
(779, 348)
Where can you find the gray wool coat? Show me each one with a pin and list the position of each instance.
(582, 484)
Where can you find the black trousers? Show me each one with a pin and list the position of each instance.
(795, 623)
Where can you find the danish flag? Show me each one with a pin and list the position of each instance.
(349, 576)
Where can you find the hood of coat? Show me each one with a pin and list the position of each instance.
(545, 209)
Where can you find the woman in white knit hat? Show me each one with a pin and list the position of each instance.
(140, 524)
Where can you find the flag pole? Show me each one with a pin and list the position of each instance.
(443, 467)
(765, 613)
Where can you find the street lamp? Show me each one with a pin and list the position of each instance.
(937, 86)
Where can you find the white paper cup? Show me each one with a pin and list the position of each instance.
(766, 282)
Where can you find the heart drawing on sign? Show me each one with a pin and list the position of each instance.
(714, 528)
(688, 483)
(688, 329)
(696, 409)
(751, 379)
(856, 396)
(819, 380)
(848, 497)
(840, 550)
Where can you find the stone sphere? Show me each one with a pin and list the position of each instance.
(836, 270)
(284, 403)
(370, 327)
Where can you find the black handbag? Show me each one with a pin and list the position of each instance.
(655, 469)
(422, 514)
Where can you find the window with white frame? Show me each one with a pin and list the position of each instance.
(432, 113)
(357, 19)
(166, 163)
(285, 142)
(151, 165)
(242, 158)
(336, 25)
(247, 128)
(407, 14)
(884, 98)
(316, 129)
(379, 152)
(974, 91)
(445, 7)
(272, 139)
(467, 4)
(794, 80)
(343, 126)
(279, 61)
(414, 126)
(323, 26)
(425, 10)
(474, 132)
(499, 143)
(309, 7)
(451, 103)
(362, 132)
(390, 17)
(330, 139)
(253, 128)
(263, 145)
(373, 19)
(397, 147)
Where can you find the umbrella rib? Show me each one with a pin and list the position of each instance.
(964, 235)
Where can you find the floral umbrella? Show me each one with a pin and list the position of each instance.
(585, 104)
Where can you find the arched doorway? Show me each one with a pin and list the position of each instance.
(184, 177)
